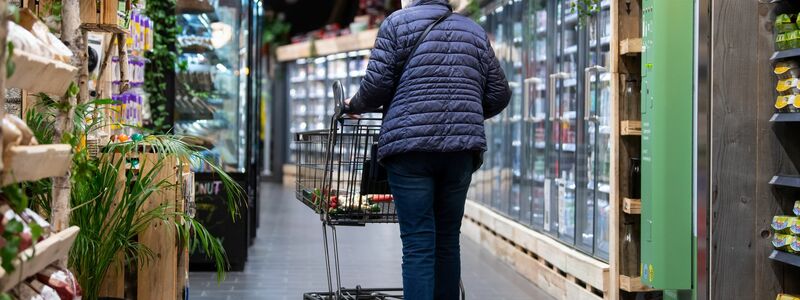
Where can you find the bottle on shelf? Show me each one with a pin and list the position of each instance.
(635, 179)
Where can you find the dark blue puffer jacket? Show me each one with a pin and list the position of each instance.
(450, 86)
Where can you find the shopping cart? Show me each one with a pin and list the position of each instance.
(339, 178)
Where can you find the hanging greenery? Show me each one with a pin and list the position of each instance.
(473, 10)
(276, 30)
(163, 60)
(585, 8)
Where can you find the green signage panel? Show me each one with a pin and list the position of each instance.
(667, 114)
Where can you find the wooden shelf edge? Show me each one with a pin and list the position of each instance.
(194, 7)
(360, 41)
(30, 163)
(633, 284)
(630, 128)
(31, 68)
(630, 46)
(108, 28)
(632, 206)
(38, 257)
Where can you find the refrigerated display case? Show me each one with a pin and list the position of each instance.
(213, 103)
(310, 97)
(549, 151)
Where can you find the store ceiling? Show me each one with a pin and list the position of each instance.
(308, 15)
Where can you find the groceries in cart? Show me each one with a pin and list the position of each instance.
(340, 202)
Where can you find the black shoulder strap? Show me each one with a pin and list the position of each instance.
(422, 38)
(411, 54)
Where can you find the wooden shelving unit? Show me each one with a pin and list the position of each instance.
(31, 163)
(626, 47)
(106, 28)
(630, 128)
(632, 206)
(630, 46)
(194, 6)
(38, 257)
(31, 68)
(633, 284)
(359, 41)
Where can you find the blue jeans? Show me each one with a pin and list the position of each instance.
(429, 192)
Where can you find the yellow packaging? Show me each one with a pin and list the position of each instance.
(783, 101)
(796, 209)
(787, 297)
(786, 69)
(786, 85)
(783, 242)
(786, 224)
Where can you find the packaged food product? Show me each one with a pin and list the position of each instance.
(783, 242)
(788, 85)
(62, 281)
(795, 245)
(784, 224)
(787, 297)
(47, 292)
(785, 23)
(26, 292)
(32, 217)
(796, 209)
(780, 41)
(787, 69)
(783, 103)
(793, 39)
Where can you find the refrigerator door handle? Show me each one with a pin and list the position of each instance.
(526, 109)
(552, 93)
(588, 116)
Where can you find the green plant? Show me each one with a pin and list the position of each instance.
(473, 10)
(276, 30)
(163, 59)
(584, 8)
(109, 200)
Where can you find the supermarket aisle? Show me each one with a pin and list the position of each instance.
(286, 260)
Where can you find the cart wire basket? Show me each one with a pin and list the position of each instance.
(339, 178)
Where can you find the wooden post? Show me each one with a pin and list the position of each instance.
(71, 35)
(124, 84)
(3, 34)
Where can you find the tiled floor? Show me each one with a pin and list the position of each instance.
(287, 260)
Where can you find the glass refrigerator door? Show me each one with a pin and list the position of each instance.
(564, 103)
(535, 113)
(513, 169)
(598, 134)
(497, 28)
(298, 109)
(211, 100)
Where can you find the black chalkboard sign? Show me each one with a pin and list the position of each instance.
(210, 195)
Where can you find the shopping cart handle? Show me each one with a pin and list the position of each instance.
(340, 107)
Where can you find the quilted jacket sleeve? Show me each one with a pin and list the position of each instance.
(497, 93)
(377, 87)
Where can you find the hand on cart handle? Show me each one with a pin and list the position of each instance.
(347, 108)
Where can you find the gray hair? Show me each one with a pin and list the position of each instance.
(453, 3)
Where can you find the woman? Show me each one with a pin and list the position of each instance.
(435, 101)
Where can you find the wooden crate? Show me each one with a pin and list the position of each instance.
(561, 271)
(164, 276)
(35, 259)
